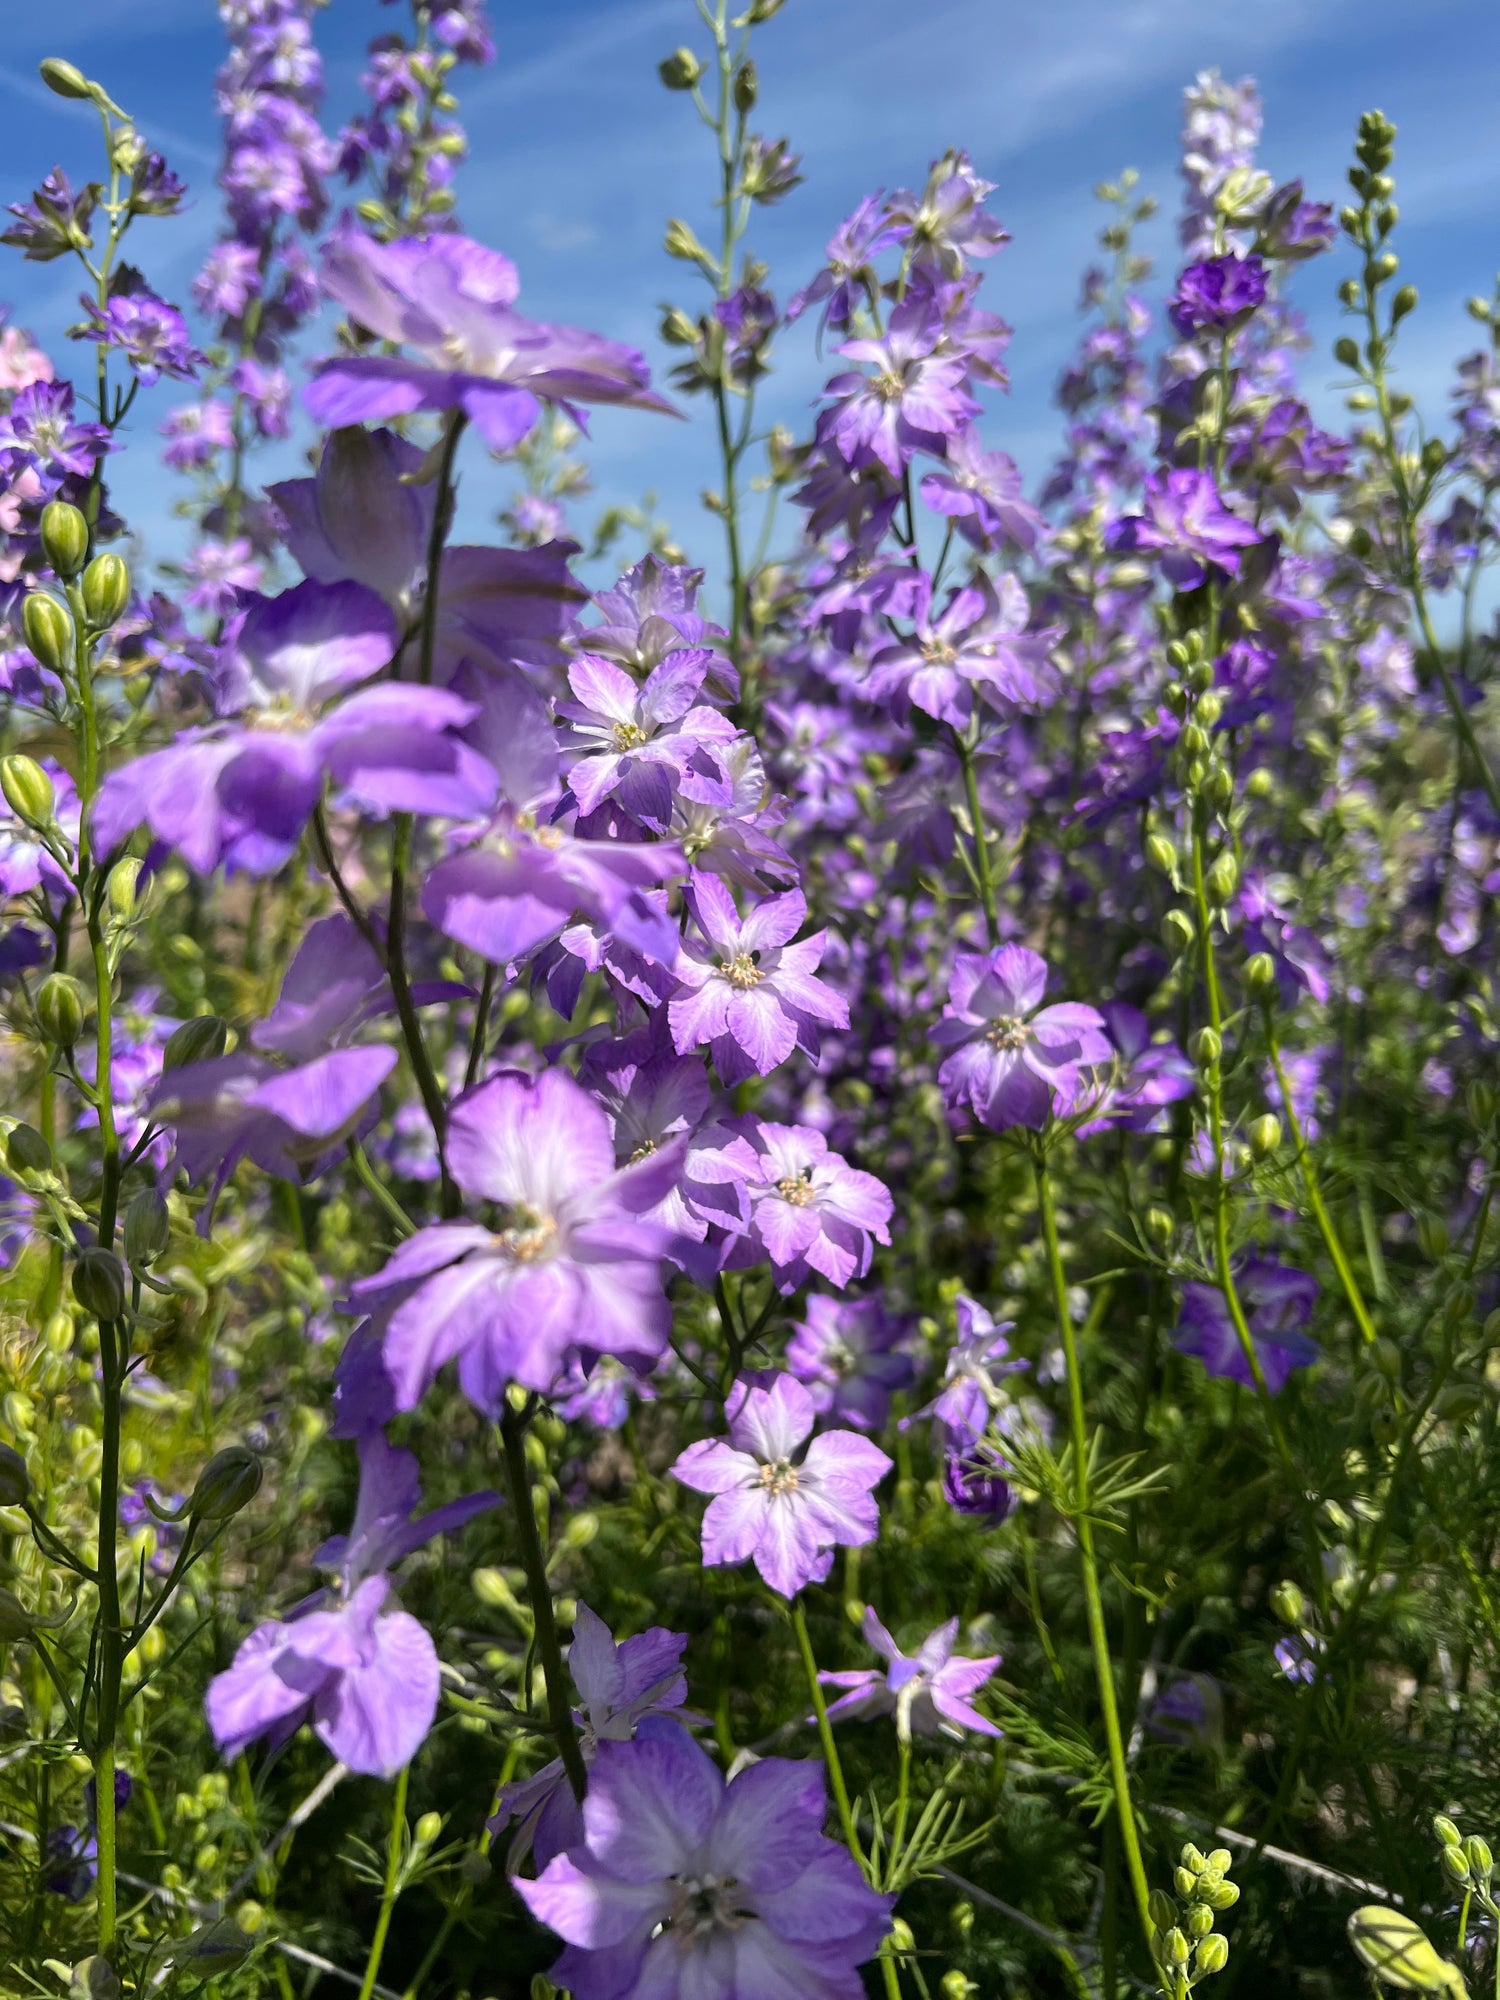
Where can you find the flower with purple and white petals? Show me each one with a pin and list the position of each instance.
(362, 1671)
(1145, 1077)
(1277, 1302)
(684, 1884)
(152, 336)
(971, 1392)
(926, 1691)
(574, 1271)
(982, 493)
(1187, 521)
(1217, 295)
(747, 990)
(978, 641)
(809, 1209)
(1014, 1062)
(851, 1356)
(913, 399)
(775, 1503)
(643, 745)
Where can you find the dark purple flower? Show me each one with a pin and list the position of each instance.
(927, 1691)
(575, 1269)
(1278, 1303)
(1217, 295)
(851, 1356)
(39, 426)
(1187, 520)
(55, 221)
(683, 1884)
(452, 301)
(1014, 1062)
(785, 1507)
(976, 1482)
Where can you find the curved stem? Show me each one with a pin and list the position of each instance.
(539, 1589)
(825, 1734)
(395, 1842)
(983, 873)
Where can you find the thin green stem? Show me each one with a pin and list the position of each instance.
(825, 1734)
(534, 1563)
(984, 875)
(1084, 1527)
(1315, 1200)
(395, 1843)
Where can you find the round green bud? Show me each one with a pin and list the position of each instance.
(1163, 1910)
(1175, 1948)
(1265, 1135)
(106, 590)
(99, 1283)
(28, 790)
(1161, 854)
(676, 329)
(1223, 879)
(745, 88)
(1200, 1921)
(1288, 1603)
(1399, 1952)
(1456, 1862)
(1194, 738)
(1220, 1858)
(1210, 708)
(1403, 303)
(1186, 1884)
(1260, 972)
(1160, 1224)
(65, 538)
(59, 1009)
(1385, 266)
(146, 1229)
(1207, 1047)
(27, 1152)
(1177, 932)
(956, 1985)
(1457, 1403)
(49, 632)
(1345, 352)
(1446, 1831)
(230, 1480)
(1221, 1896)
(1218, 786)
(1261, 784)
(681, 70)
(1478, 1851)
(428, 1827)
(123, 878)
(62, 79)
(199, 1040)
(1212, 1956)
(15, 1481)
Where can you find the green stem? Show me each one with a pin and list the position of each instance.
(395, 1841)
(1324, 1221)
(825, 1734)
(544, 1623)
(982, 870)
(1093, 1600)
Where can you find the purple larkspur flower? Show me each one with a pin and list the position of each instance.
(976, 1482)
(1186, 520)
(912, 400)
(982, 493)
(650, 612)
(362, 1671)
(152, 335)
(685, 1884)
(644, 745)
(1302, 960)
(1278, 1303)
(242, 791)
(57, 213)
(228, 281)
(1291, 228)
(1297, 1656)
(196, 432)
(1217, 295)
(850, 269)
(977, 642)
(851, 1356)
(809, 1210)
(620, 1687)
(946, 224)
(1013, 1061)
(926, 1691)
(970, 1392)
(40, 427)
(453, 301)
(575, 1271)
(784, 1507)
(1145, 1077)
(747, 990)
(219, 571)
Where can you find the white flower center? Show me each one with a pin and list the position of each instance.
(780, 1476)
(1009, 1031)
(796, 1188)
(741, 971)
(705, 1904)
(532, 1238)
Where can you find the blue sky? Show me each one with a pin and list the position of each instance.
(578, 156)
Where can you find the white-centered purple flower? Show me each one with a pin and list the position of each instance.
(685, 1887)
(1145, 1077)
(971, 1392)
(912, 399)
(1013, 1061)
(851, 1356)
(572, 1269)
(747, 990)
(1186, 521)
(926, 1691)
(809, 1210)
(348, 1660)
(644, 745)
(978, 642)
(778, 1500)
(983, 494)
(452, 301)
(620, 1687)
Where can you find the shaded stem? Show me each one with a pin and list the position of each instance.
(825, 1734)
(395, 1841)
(984, 875)
(544, 1623)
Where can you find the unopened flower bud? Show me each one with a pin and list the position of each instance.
(1185, 1882)
(1265, 1135)
(1399, 1952)
(580, 1530)
(681, 70)
(1346, 352)
(146, 1229)
(99, 1283)
(65, 538)
(681, 242)
(63, 80)
(1478, 1851)
(1220, 1895)
(676, 329)
(106, 590)
(1457, 1403)
(1162, 1909)
(1194, 739)
(1289, 1604)
(1456, 1863)
(15, 1481)
(1210, 708)
(59, 1009)
(1177, 932)
(198, 1040)
(427, 1829)
(1446, 1831)
(1199, 1921)
(1175, 1948)
(1207, 1046)
(123, 878)
(746, 88)
(1212, 1956)
(27, 1152)
(28, 790)
(1223, 879)
(1160, 1224)
(49, 631)
(1161, 853)
(230, 1480)
(1260, 972)
(1385, 1355)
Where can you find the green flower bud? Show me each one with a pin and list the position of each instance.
(49, 632)
(1220, 1858)
(1345, 352)
(146, 1229)
(59, 1009)
(681, 242)
(1211, 1956)
(230, 1480)
(1161, 854)
(1210, 708)
(1403, 303)
(27, 1152)
(1200, 1921)
(106, 590)
(1289, 1604)
(1218, 786)
(1456, 1863)
(62, 79)
(676, 329)
(1177, 932)
(94, 1979)
(1175, 1948)
(1194, 739)
(1260, 972)
(1457, 1403)
(1480, 1858)
(1446, 1831)
(745, 88)
(1265, 1135)
(1186, 1884)
(1223, 879)
(28, 790)
(580, 1530)
(1207, 1046)
(1397, 1951)
(1432, 1236)
(1386, 1356)
(65, 538)
(1222, 1896)
(1160, 1224)
(123, 878)
(1163, 1910)
(681, 70)
(99, 1283)
(15, 1481)
(427, 1829)
(198, 1040)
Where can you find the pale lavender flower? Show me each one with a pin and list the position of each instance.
(926, 1692)
(809, 1209)
(196, 432)
(912, 401)
(774, 1502)
(644, 745)
(982, 494)
(219, 571)
(971, 1391)
(1187, 521)
(685, 1885)
(851, 1356)
(152, 335)
(1014, 1062)
(978, 642)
